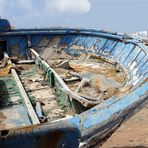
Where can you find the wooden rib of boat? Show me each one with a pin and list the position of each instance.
(62, 87)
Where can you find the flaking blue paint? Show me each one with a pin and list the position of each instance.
(75, 120)
(99, 117)
(108, 45)
(121, 47)
(140, 57)
(100, 42)
(117, 49)
(133, 55)
(125, 52)
(35, 40)
(90, 41)
(80, 40)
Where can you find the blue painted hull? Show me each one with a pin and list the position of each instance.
(101, 120)
(45, 135)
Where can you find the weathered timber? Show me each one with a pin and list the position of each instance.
(64, 64)
(25, 62)
(83, 82)
(27, 102)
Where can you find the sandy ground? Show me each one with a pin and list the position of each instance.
(132, 134)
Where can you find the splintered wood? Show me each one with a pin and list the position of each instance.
(5, 68)
(40, 91)
(105, 79)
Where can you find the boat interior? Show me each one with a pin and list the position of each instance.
(54, 77)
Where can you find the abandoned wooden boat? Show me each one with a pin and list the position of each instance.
(67, 87)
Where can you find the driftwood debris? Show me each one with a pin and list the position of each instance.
(25, 62)
(72, 79)
(83, 82)
(87, 97)
(64, 64)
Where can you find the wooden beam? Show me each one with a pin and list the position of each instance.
(26, 99)
(25, 62)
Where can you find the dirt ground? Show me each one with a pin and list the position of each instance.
(132, 134)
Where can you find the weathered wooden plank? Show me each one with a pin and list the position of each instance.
(27, 102)
(25, 62)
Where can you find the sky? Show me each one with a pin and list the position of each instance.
(114, 15)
